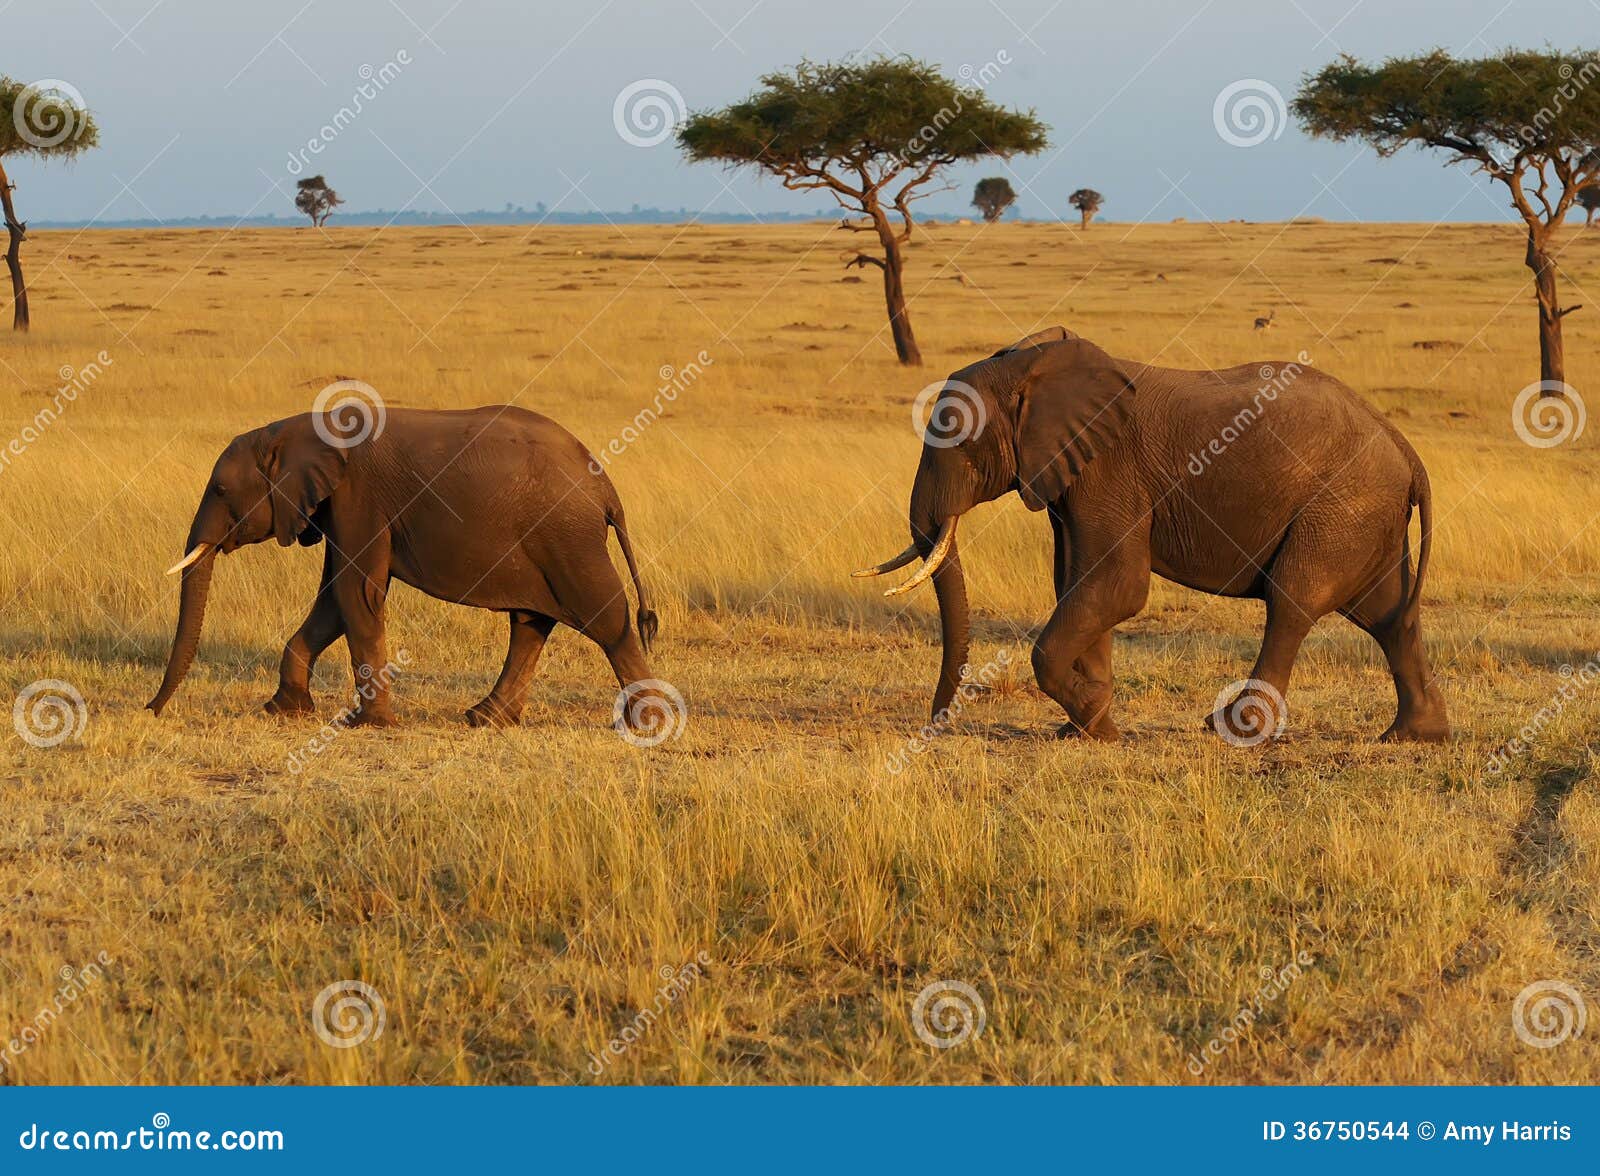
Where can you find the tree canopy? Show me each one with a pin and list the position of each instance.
(1522, 109)
(992, 196)
(1529, 119)
(44, 119)
(872, 134)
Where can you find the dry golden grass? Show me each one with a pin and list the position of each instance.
(512, 896)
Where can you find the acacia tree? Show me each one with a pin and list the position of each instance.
(872, 134)
(46, 120)
(316, 200)
(1087, 201)
(992, 197)
(1528, 119)
(1589, 200)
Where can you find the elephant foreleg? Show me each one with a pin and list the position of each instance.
(503, 706)
(1072, 657)
(360, 588)
(321, 628)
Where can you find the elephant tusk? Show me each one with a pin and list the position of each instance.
(892, 565)
(199, 550)
(941, 548)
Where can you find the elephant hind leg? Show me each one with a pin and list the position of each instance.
(595, 603)
(503, 706)
(1380, 612)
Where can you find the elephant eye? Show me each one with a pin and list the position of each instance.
(219, 490)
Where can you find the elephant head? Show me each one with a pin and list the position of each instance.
(268, 483)
(1027, 419)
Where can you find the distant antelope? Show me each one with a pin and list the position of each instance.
(1265, 324)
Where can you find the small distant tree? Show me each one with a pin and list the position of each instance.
(316, 200)
(992, 197)
(1087, 201)
(47, 121)
(1528, 119)
(872, 134)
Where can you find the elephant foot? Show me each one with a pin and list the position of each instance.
(370, 718)
(1104, 731)
(1417, 729)
(490, 713)
(290, 701)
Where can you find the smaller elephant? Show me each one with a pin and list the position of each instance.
(496, 507)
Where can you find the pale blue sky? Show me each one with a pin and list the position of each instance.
(201, 102)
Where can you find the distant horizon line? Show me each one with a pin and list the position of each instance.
(648, 216)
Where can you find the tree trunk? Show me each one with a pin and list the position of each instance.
(894, 297)
(1085, 214)
(1552, 363)
(1588, 217)
(16, 229)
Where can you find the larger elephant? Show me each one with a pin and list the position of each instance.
(496, 507)
(1270, 481)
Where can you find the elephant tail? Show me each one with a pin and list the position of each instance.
(1422, 499)
(648, 622)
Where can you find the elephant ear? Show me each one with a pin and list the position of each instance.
(302, 470)
(1037, 339)
(1073, 402)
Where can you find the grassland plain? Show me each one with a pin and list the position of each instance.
(513, 897)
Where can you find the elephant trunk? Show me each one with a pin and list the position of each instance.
(201, 558)
(955, 627)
